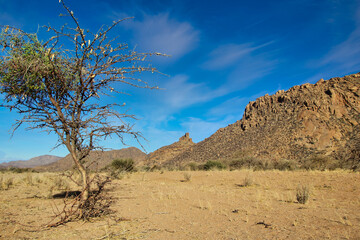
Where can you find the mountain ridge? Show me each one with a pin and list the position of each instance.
(33, 162)
(306, 120)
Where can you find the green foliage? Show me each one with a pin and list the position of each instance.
(126, 165)
(28, 67)
(211, 165)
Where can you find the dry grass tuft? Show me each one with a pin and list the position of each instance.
(302, 193)
(6, 183)
(187, 177)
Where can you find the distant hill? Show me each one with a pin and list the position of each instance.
(304, 121)
(167, 153)
(33, 162)
(97, 159)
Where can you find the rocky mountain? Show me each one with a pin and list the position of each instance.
(97, 159)
(167, 153)
(306, 120)
(33, 162)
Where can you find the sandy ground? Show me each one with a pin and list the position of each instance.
(212, 205)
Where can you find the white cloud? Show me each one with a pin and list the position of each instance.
(229, 54)
(345, 55)
(161, 33)
(180, 92)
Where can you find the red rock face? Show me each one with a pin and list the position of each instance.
(321, 118)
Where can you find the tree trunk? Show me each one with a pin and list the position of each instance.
(85, 184)
(84, 176)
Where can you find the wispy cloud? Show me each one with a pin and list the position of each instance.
(180, 92)
(229, 54)
(164, 34)
(345, 55)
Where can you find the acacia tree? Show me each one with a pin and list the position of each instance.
(59, 89)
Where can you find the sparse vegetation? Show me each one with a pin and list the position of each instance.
(57, 84)
(6, 183)
(248, 181)
(193, 166)
(210, 198)
(302, 193)
(119, 167)
(250, 163)
(126, 165)
(320, 162)
(187, 177)
(213, 165)
(283, 164)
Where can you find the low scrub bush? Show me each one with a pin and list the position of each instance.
(187, 177)
(248, 181)
(250, 163)
(320, 162)
(192, 166)
(20, 170)
(302, 193)
(285, 165)
(6, 183)
(126, 165)
(211, 165)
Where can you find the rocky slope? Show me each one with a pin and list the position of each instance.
(97, 159)
(304, 121)
(167, 153)
(33, 162)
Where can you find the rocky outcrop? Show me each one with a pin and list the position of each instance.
(97, 159)
(321, 118)
(169, 152)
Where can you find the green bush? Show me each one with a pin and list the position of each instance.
(211, 165)
(126, 165)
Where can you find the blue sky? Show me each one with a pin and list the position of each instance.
(223, 55)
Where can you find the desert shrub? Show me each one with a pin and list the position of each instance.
(60, 183)
(126, 165)
(285, 165)
(320, 162)
(237, 164)
(250, 162)
(192, 166)
(155, 168)
(187, 177)
(20, 170)
(6, 183)
(248, 181)
(302, 193)
(28, 179)
(211, 165)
